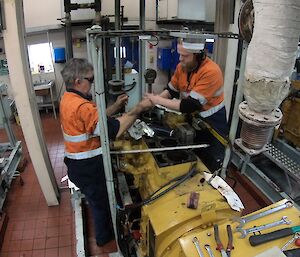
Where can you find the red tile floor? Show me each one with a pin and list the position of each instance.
(34, 229)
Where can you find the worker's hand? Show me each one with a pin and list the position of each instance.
(121, 101)
(145, 104)
(142, 106)
(155, 99)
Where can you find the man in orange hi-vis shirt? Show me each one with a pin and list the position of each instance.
(197, 85)
(81, 131)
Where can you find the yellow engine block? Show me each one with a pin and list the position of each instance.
(165, 220)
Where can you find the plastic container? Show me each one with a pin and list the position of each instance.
(59, 55)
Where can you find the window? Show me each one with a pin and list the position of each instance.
(40, 58)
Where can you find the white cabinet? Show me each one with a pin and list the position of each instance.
(199, 10)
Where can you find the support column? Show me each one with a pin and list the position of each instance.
(20, 77)
(142, 50)
(231, 59)
(222, 21)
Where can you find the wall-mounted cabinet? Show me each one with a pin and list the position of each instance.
(196, 10)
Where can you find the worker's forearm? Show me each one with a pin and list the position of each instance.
(126, 120)
(165, 94)
(110, 110)
(171, 104)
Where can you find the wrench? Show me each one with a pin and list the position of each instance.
(208, 249)
(295, 237)
(197, 245)
(245, 232)
(247, 219)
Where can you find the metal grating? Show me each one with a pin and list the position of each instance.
(283, 161)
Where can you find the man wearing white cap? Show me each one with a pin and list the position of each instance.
(197, 84)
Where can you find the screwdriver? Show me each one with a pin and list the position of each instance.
(264, 238)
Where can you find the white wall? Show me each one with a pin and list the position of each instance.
(41, 13)
(45, 13)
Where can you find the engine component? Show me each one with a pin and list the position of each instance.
(257, 127)
(246, 20)
(185, 134)
(290, 121)
(116, 85)
(164, 186)
(150, 76)
(173, 120)
(150, 116)
(140, 128)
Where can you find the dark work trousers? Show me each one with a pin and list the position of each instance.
(88, 175)
(218, 121)
(213, 155)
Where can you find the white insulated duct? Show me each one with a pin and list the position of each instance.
(271, 53)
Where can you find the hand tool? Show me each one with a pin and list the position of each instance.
(292, 253)
(197, 245)
(260, 239)
(247, 219)
(245, 232)
(295, 237)
(208, 249)
(220, 246)
(230, 240)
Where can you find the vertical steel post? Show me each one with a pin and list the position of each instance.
(142, 50)
(117, 41)
(97, 60)
(68, 30)
(235, 115)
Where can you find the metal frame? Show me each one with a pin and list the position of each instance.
(235, 115)
(76, 199)
(95, 37)
(9, 169)
(243, 162)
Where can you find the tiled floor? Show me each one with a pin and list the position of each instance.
(34, 229)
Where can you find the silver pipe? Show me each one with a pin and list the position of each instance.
(101, 107)
(117, 41)
(235, 116)
(151, 150)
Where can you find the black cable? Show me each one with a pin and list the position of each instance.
(152, 198)
(168, 183)
(191, 173)
(132, 86)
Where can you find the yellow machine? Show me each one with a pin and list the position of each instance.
(291, 119)
(166, 182)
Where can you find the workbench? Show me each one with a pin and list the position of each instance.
(242, 247)
(45, 89)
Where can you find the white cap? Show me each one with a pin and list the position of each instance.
(193, 45)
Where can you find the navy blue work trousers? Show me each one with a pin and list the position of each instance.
(88, 175)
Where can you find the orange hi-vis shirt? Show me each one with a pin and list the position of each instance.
(204, 85)
(79, 118)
